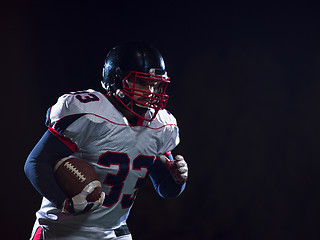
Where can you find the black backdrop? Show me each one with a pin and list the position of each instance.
(245, 91)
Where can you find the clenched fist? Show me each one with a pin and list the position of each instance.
(178, 168)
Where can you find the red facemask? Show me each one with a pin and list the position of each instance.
(144, 91)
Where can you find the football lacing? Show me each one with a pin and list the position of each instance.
(75, 171)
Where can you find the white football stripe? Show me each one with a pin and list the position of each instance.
(60, 162)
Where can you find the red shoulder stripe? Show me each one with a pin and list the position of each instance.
(73, 147)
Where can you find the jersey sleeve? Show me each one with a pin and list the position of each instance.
(170, 134)
(71, 115)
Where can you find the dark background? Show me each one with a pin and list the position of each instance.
(245, 91)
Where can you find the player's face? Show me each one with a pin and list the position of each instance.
(143, 89)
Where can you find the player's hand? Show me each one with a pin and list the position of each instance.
(178, 168)
(79, 204)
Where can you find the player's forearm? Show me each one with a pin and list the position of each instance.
(41, 177)
(163, 182)
(39, 167)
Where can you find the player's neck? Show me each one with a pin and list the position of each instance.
(132, 118)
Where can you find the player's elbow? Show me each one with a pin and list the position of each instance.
(168, 196)
(171, 191)
(28, 167)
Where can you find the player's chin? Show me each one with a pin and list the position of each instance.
(142, 104)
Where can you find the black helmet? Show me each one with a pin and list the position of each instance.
(126, 66)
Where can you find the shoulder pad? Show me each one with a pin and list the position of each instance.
(163, 118)
(71, 106)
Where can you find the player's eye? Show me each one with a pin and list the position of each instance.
(146, 83)
(155, 84)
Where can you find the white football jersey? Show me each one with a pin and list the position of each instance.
(120, 154)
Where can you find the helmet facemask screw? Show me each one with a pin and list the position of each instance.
(119, 93)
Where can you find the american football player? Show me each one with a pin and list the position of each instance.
(122, 133)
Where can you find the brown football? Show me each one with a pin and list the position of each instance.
(73, 174)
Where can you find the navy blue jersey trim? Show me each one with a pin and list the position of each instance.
(65, 122)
